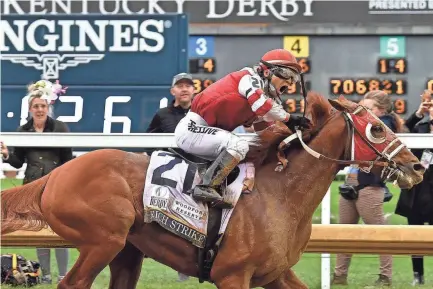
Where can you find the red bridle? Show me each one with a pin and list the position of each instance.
(362, 145)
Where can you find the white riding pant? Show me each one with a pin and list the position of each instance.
(196, 137)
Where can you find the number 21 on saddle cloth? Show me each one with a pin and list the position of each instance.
(166, 201)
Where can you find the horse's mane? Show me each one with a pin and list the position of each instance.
(318, 111)
(264, 145)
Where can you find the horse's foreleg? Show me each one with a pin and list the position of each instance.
(287, 280)
(126, 268)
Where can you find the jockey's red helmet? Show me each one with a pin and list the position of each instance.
(282, 58)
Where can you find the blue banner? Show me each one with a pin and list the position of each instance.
(117, 66)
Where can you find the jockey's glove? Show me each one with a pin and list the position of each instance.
(298, 121)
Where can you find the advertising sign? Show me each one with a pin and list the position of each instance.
(115, 66)
(290, 12)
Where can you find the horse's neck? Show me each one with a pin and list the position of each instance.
(309, 178)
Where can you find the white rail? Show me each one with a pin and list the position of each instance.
(140, 140)
(164, 140)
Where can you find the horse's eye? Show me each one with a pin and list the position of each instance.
(376, 133)
(377, 129)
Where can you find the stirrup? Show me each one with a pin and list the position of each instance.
(221, 205)
(211, 196)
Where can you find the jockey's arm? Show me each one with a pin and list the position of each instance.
(265, 108)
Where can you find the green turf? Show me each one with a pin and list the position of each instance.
(363, 270)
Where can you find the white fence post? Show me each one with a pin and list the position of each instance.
(2, 175)
(326, 257)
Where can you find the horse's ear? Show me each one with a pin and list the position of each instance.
(337, 104)
(341, 103)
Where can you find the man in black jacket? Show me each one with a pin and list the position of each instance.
(167, 118)
(416, 204)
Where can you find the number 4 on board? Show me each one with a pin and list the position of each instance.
(298, 45)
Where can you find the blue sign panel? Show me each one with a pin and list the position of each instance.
(91, 109)
(94, 49)
(201, 46)
(117, 67)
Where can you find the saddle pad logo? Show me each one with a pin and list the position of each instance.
(160, 198)
(187, 210)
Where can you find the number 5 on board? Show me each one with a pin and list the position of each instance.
(298, 45)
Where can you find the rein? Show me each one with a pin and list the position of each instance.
(389, 166)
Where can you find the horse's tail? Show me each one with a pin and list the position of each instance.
(21, 207)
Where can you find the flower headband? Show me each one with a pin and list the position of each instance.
(48, 90)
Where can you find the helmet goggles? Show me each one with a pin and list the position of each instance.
(285, 73)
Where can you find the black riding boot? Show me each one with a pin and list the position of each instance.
(206, 191)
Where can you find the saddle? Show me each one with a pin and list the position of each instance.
(167, 201)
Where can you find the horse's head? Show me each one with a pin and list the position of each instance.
(372, 140)
(370, 143)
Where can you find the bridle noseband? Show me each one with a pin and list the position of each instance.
(384, 158)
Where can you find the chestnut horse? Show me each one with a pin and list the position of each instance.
(95, 202)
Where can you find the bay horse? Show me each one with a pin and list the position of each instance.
(95, 202)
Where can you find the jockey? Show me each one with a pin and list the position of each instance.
(240, 98)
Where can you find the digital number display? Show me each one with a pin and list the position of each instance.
(429, 84)
(390, 65)
(78, 101)
(362, 86)
(99, 110)
(201, 84)
(305, 64)
(297, 106)
(294, 106)
(295, 88)
(400, 106)
(202, 65)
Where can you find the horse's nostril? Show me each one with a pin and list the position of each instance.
(418, 167)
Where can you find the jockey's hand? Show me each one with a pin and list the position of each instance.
(298, 121)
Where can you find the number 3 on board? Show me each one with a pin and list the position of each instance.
(201, 46)
(298, 45)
